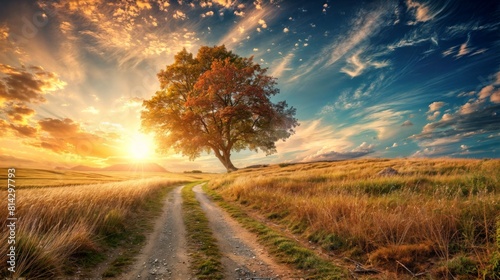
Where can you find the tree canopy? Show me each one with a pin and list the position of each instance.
(216, 102)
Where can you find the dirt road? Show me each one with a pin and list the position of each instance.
(165, 255)
(243, 257)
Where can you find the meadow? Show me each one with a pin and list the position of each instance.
(437, 218)
(65, 224)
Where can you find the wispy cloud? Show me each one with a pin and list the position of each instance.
(256, 18)
(365, 26)
(423, 12)
(355, 39)
(283, 65)
(463, 49)
(467, 27)
(358, 65)
(416, 37)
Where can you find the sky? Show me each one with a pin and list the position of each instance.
(373, 79)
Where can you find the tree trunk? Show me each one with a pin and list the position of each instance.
(225, 159)
(229, 166)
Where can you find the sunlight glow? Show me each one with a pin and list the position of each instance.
(140, 146)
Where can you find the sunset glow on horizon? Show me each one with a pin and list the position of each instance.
(392, 79)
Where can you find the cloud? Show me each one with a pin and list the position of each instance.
(258, 4)
(67, 136)
(19, 113)
(4, 32)
(27, 84)
(327, 109)
(128, 32)
(224, 3)
(357, 66)
(466, 27)
(433, 116)
(283, 65)
(313, 137)
(450, 51)
(19, 130)
(262, 23)
(360, 151)
(91, 110)
(416, 37)
(123, 103)
(382, 121)
(253, 20)
(364, 26)
(473, 118)
(407, 123)
(470, 107)
(487, 91)
(422, 12)
(286, 30)
(435, 106)
(180, 15)
(59, 128)
(463, 49)
(495, 97)
(208, 14)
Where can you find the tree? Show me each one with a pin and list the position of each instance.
(216, 102)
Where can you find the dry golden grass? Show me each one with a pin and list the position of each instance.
(27, 177)
(58, 223)
(432, 211)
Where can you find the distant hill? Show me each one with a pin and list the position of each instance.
(147, 167)
(84, 168)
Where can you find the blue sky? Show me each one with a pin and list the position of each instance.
(407, 78)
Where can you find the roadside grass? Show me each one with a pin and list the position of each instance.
(202, 245)
(283, 248)
(66, 229)
(436, 216)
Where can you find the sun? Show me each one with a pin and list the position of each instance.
(140, 147)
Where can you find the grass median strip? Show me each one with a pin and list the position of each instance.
(205, 255)
(283, 248)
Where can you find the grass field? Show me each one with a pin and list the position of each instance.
(437, 217)
(63, 227)
(36, 178)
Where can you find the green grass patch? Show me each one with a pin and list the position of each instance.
(205, 255)
(283, 248)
